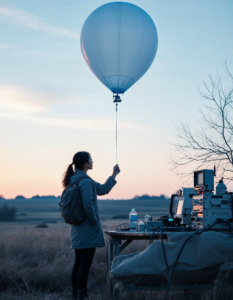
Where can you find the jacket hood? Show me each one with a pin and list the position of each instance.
(77, 174)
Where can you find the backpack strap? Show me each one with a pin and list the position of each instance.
(80, 179)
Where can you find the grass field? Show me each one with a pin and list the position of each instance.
(36, 264)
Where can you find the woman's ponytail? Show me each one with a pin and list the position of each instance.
(69, 172)
(79, 159)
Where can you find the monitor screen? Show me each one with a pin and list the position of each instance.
(200, 178)
(174, 206)
(179, 207)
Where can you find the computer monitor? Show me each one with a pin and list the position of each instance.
(173, 204)
(200, 178)
(180, 207)
(204, 179)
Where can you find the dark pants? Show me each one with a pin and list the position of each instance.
(83, 261)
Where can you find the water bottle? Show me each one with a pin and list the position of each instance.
(133, 216)
(147, 216)
(141, 226)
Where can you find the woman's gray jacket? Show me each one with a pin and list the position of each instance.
(89, 234)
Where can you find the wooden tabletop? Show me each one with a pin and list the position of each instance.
(147, 235)
(135, 235)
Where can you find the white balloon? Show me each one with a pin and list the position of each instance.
(119, 42)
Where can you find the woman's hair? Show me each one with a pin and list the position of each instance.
(79, 159)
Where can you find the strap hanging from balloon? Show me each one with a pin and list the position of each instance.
(116, 133)
(117, 100)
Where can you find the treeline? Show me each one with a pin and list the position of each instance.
(52, 197)
(153, 197)
(36, 197)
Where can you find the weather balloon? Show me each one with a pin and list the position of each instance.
(119, 42)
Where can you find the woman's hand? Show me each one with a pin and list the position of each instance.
(116, 171)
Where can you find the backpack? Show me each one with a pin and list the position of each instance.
(71, 205)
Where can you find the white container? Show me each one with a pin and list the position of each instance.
(147, 216)
(133, 216)
(141, 226)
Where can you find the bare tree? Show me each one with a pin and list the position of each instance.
(212, 143)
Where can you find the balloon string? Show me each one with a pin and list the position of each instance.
(116, 133)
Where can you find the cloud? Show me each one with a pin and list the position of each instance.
(24, 104)
(31, 21)
(80, 124)
(26, 100)
(3, 47)
(19, 99)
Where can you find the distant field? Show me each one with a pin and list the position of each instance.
(48, 210)
(156, 208)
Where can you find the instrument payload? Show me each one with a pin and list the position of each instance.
(198, 207)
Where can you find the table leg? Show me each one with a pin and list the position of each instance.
(126, 244)
(112, 243)
(117, 252)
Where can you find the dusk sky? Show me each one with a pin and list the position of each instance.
(52, 106)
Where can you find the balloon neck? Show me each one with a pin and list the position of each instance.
(116, 100)
(117, 90)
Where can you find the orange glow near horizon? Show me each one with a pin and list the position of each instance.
(44, 177)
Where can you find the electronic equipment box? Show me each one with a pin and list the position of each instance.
(199, 207)
(210, 208)
(184, 206)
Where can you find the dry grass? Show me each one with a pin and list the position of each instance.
(36, 265)
(42, 225)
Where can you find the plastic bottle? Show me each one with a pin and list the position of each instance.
(141, 226)
(133, 216)
(147, 216)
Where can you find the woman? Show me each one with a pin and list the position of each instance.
(85, 237)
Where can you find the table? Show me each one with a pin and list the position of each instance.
(116, 246)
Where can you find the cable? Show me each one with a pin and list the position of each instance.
(155, 230)
(170, 276)
(219, 222)
(198, 232)
(116, 133)
(164, 253)
(117, 100)
(123, 224)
